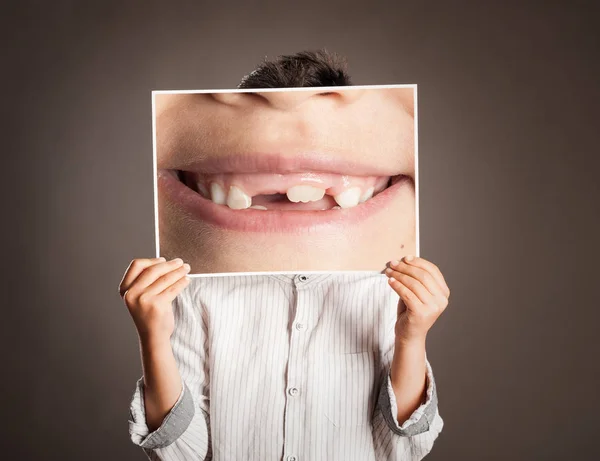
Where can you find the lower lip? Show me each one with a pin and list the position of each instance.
(251, 220)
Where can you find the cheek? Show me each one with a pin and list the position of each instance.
(164, 144)
(394, 227)
(384, 126)
(180, 232)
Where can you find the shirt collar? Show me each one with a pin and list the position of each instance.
(312, 278)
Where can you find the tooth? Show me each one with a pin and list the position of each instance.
(258, 207)
(367, 194)
(238, 199)
(202, 189)
(304, 194)
(349, 198)
(217, 194)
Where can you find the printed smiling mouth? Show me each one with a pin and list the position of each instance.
(306, 191)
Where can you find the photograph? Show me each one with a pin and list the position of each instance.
(280, 180)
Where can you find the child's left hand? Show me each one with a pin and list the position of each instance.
(423, 297)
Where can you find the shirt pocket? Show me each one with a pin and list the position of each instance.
(349, 381)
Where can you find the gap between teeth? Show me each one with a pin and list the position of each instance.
(237, 199)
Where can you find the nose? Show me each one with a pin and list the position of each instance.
(292, 99)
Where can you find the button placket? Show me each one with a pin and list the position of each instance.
(299, 325)
(296, 376)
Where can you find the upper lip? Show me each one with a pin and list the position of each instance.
(313, 162)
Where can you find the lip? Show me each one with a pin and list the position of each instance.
(294, 162)
(275, 221)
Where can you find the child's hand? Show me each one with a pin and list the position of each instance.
(149, 286)
(423, 296)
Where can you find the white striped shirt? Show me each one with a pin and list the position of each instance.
(288, 368)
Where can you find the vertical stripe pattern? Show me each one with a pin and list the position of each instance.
(287, 368)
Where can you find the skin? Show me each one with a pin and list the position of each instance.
(149, 287)
(373, 126)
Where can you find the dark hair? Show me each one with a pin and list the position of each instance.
(304, 69)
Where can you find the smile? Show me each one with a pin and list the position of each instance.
(280, 194)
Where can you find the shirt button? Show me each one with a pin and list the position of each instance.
(299, 326)
(292, 458)
(293, 391)
(303, 278)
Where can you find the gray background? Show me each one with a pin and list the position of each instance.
(509, 161)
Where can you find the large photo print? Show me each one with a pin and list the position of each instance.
(286, 180)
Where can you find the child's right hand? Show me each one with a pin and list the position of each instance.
(149, 287)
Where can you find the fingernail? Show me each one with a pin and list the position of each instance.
(409, 258)
(178, 260)
(388, 271)
(186, 266)
(394, 263)
(162, 258)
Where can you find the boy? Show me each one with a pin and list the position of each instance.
(318, 367)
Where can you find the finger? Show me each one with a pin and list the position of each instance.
(152, 273)
(413, 284)
(420, 274)
(409, 299)
(168, 279)
(134, 270)
(171, 292)
(433, 270)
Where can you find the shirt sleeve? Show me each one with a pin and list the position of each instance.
(185, 431)
(420, 420)
(409, 440)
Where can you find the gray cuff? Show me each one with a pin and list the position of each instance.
(174, 424)
(421, 418)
